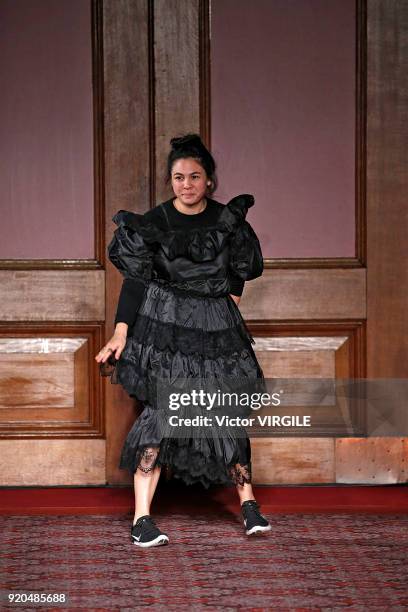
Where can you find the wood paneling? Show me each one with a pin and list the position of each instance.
(38, 375)
(319, 460)
(177, 87)
(49, 382)
(129, 167)
(51, 295)
(52, 462)
(387, 187)
(298, 357)
(346, 338)
(306, 294)
(293, 461)
(127, 98)
(294, 365)
(371, 461)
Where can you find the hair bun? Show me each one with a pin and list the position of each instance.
(188, 139)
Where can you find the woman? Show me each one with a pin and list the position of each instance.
(185, 263)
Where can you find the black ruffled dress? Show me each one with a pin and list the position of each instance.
(187, 326)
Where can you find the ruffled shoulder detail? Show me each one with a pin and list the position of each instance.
(139, 225)
(128, 250)
(198, 244)
(125, 218)
(235, 212)
(246, 260)
(202, 243)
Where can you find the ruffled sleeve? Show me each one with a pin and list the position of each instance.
(246, 261)
(131, 249)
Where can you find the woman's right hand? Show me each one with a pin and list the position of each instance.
(115, 345)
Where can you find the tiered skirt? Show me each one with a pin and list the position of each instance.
(179, 336)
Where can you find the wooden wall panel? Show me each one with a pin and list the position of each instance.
(291, 456)
(177, 87)
(293, 461)
(297, 357)
(52, 295)
(129, 168)
(49, 382)
(282, 294)
(372, 460)
(36, 380)
(387, 187)
(283, 342)
(52, 462)
(317, 460)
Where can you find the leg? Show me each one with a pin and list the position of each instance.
(144, 531)
(245, 492)
(241, 475)
(145, 482)
(254, 521)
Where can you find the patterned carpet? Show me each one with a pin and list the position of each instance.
(308, 562)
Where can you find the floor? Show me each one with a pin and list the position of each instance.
(323, 559)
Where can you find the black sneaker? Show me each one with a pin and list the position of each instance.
(145, 533)
(254, 521)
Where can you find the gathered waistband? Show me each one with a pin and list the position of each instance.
(208, 287)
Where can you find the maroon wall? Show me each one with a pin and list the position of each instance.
(283, 119)
(46, 138)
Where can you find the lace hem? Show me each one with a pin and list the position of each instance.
(241, 474)
(207, 472)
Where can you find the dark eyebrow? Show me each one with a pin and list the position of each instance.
(195, 172)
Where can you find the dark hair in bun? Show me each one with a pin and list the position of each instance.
(191, 145)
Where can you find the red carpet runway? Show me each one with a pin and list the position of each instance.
(330, 555)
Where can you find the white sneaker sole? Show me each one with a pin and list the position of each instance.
(159, 541)
(258, 529)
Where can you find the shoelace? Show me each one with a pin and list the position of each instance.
(252, 508)
(149, 526)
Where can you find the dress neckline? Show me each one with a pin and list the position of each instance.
(186, 214)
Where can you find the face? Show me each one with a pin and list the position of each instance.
(189, 180)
